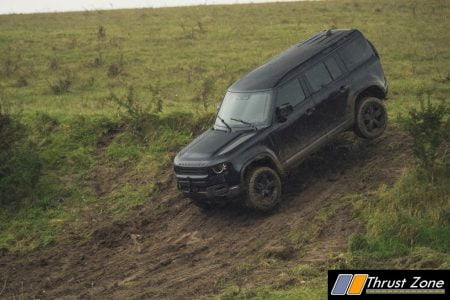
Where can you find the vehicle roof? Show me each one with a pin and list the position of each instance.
(268, 75)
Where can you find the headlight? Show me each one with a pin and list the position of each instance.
(220, 168)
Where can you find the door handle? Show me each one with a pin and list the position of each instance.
(343, 89)
(309, 111)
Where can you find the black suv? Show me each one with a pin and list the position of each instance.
(277, 114)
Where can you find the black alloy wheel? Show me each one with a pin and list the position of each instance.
(371, 118)
(263, 189)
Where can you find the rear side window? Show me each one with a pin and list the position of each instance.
(318, 76)
(355, 53)
(291, 92)
(333, 67)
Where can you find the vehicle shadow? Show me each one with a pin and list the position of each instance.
(345, 153)
(329, 164)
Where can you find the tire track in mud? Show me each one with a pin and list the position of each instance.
(171, 249)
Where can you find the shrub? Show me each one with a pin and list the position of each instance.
(45, 124)
(429, 127)
(21, 82)
(53, 64)
(116, 68)
(10, 65)
(101, 32)
(206, 91)
(157, 98)
(11, 131)
(357, 242)
(98, 60)
(62, 85)
(20, 165)
(186, 120)
(201, 27)
(133, 109)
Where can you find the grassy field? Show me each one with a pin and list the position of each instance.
(102, 101)
(178, 49)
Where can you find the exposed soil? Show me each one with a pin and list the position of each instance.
(171, 249)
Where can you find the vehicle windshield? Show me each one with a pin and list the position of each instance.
(244, 110)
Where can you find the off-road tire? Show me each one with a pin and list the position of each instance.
(263, 189)
(370, 118)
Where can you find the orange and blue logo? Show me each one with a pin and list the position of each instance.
(391, 284)
(349, 284)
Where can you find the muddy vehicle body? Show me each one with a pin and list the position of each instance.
(279, 113)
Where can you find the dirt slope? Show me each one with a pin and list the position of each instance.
(171, 249)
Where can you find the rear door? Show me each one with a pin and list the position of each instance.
(329, 89)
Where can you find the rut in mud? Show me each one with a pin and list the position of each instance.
(171, 249)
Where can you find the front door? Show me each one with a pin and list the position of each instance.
(298, 130)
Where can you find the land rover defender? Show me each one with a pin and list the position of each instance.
(279, 113)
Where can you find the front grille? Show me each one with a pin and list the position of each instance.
(191, 171)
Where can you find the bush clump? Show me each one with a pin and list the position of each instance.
(20, 165)
(133, 110)
(429, 127)
(62, 85)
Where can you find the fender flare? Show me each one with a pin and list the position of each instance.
(267, 154)
(356, 94)
(371, 85)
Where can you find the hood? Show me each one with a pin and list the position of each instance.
(213, 143)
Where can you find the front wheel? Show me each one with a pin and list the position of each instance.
(263, 189)
(371, 118)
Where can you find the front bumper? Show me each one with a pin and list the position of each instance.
(207, 186)
(211, 192)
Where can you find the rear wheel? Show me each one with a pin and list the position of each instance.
(371, 118)
(263, 188)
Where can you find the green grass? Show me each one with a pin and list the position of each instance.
(157, 45)
(58, 73)
(409, 219)
(80, 174)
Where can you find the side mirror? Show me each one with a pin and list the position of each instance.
(283, 112)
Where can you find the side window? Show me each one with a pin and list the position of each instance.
(291, 92)
(318, 76)
(333, 67)
(355, 53)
